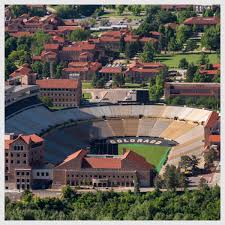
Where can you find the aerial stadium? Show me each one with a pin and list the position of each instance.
(159, 133)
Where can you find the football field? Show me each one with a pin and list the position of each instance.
(153, 154)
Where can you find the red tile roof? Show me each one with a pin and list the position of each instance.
(216, 66)
(212, 120)
(58, 39)
(69, 28)
(111, 70)
(155, 33)
(172, 25)
(23, 70)
(109, 39)
(208, 72)
(91, 65)
(27, 138)
(90, 161)
(202, 21)
(51, 46)
(102, 163)
(80, 46)
(57, 83)
(131, 38)
(21, 34)
(214, 138)
(148, 39)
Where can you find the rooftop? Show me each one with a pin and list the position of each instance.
(57, 83)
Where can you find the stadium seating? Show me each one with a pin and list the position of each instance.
(181, 124)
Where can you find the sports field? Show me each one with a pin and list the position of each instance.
(154, 154)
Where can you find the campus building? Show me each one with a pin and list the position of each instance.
(63, 92)
(173, 89)
(84, 70)
(140, 72)
(22, 152)
(80, 168)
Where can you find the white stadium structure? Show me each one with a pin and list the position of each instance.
(184, 125)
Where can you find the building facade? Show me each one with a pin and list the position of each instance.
(82, 169)
(62, 92)
(22, 152)
(173, 89)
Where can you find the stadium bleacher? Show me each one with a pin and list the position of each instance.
(169, 122)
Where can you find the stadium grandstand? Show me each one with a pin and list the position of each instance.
(67, 130)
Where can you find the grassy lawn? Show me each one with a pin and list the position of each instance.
(154, 154)
(87, 95)
(173, 61)
(87, 85)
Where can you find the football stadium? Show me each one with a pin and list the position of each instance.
(159, 133)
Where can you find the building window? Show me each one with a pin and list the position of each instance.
(38, 174)
(24, 155)
(23, 180)
(6, 168)
(11, 161)
(48, 174)
(11, 154)
(28, 180)
(18, 161)
(17, 180)
(17, 173)
(6, 160)
(27, 173)
(6, 177)
(22, 173)
(6, 154)
(18, 154)
(18, 186)
(42, 174)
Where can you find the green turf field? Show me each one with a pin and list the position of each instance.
(154, 154)
(173, 60)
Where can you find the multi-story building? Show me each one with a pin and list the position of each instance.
(173, 89)
(84, 70)
(74, 52)
(109, 71)
(140, 72)
(62, 92)
(80, 168)
(22, 152)
(201, 22)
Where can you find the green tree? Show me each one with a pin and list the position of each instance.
(18, 10)
(173, 45)
(171, 177)
(211, 38)
(208, 13)
(148, 53)
(131, 49)
(191, 45)
(37, 67)
(79, 35)
(68, 193)
(204, 59)
(120, 9)
(46, 69)
(10, 45)
(20, 57)
(183, 32)
(183, 64)
(210, 156)
(184, 14)
(47, 101)
(118, 80)
(9, 68)
(136, 10)
(191, 70)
